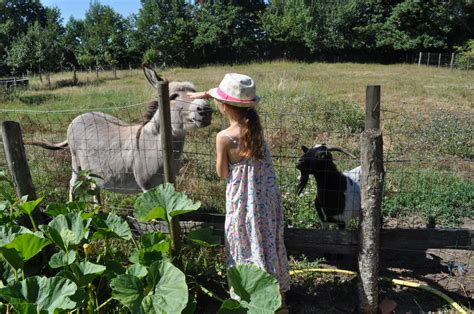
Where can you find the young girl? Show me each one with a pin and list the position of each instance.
(254, 212)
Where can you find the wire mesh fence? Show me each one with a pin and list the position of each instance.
(443, 59)
(428, 159)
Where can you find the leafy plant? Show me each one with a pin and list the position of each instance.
(165, 292)
(259, 292)
(39, 294)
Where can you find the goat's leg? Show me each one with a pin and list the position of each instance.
(72, 182)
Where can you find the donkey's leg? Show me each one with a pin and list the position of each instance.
(72, 182)
(96, 198)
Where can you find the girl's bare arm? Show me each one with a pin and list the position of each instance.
(222, 160)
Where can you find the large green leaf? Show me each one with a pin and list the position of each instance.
(29, 206)
(44, 294)
(67, 231)
(137, 270)
(169, 287)
(204, 237)
(129, 290)
(232, 307)
(111, 227)
(22, 248)
(168, 293)
(8, 233)
(163, 202)
(155, 246)
(86, 272)
(259, 291)
(55, 209)
(61, 259)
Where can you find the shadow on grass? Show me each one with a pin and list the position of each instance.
(36, 100)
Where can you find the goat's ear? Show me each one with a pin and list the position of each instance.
(151, 76)
(304, 148)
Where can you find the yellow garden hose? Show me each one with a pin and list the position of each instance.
(393, 281)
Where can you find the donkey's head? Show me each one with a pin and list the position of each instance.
(186, 113)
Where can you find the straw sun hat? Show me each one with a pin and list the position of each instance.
(236, 90)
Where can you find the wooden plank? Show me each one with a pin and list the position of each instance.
(344, 241)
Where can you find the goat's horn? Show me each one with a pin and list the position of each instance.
(339, 149)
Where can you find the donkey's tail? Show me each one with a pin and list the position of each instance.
(47, 145)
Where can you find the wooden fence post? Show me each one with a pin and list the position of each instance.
(16, 159)
(452, 61)
(371, 179)
(439, 60)
(167, 150)
(428, 61)
(419, 58)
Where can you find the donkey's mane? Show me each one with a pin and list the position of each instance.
(174, 87)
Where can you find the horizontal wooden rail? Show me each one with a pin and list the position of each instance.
(315, 241)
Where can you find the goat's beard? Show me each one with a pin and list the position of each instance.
(302, 181)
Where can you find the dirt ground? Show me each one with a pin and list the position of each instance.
(449, 271)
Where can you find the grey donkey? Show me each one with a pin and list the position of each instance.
(128, 157)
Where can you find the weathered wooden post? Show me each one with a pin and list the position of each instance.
(419, 58)
(439, 60)
(452, 61)
(167, 150)
(371, 179)
(428, 61)
(16, 159)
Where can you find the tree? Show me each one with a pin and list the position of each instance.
(166, 27)
(40, 48)
(415, 25)
(103, 38)
(15, 18)
(285, 24)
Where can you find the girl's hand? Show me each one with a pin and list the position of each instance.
(198, 95)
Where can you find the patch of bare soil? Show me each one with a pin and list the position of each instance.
(449, 271)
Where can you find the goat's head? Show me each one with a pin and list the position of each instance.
(315, 160)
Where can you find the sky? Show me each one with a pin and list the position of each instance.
(78, 8)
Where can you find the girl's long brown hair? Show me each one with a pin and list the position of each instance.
(251, 134)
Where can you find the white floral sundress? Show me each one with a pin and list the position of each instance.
(254, 218)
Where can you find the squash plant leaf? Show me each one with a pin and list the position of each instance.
(163, 202)
(129, 290)
(137, 270)
(204, 237)
(55, 209)
(66, 231)
(85, 272)
(61, 259)
(259, 291)
(231, 307)
(45, 294)
(8, 233)
(22, 248)
(29, 206)
(111, 227)
(168, 290)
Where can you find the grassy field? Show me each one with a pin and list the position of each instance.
(427, 121)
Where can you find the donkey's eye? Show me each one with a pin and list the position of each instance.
(174, 96)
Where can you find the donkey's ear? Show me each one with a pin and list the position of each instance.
(151, 75)
(304, 148)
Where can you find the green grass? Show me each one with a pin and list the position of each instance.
(426, 118)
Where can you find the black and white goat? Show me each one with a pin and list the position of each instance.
(338, 194)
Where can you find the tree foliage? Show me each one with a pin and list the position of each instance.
(187, 33)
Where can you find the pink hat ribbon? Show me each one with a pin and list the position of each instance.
(225, 96)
